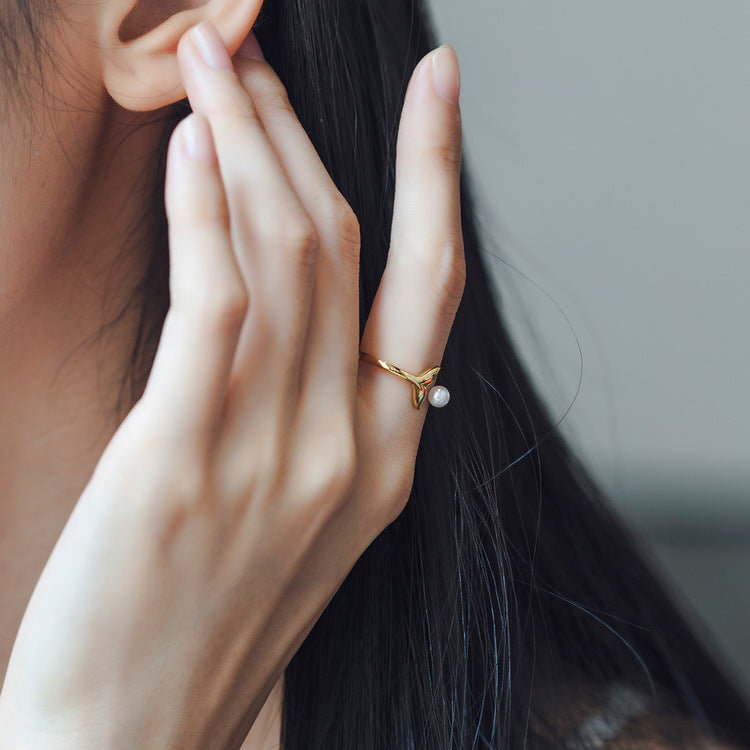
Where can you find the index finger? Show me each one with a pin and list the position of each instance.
(273, 236)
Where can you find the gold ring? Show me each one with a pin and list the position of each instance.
(438, 396)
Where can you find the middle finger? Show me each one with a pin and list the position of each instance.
(330, 362)
(273, 237)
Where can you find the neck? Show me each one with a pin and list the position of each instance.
(71, 259)
(72, 191)
(68, 272)
(75, 185)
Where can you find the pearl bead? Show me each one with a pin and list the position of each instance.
(439, 396)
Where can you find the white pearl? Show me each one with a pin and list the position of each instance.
(439, 396)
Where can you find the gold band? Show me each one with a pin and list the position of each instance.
(420, 382)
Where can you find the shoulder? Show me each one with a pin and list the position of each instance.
(617, 716)
(651, 731)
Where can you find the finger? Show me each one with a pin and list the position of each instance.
(209, 300)
(329, 367)
(274, 239)
(423, 281)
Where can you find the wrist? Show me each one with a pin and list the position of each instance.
(21, 731)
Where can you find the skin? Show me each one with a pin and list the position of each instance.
(258, 359)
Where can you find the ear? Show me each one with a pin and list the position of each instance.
(138, 40)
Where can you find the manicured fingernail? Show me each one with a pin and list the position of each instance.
(250, 48)
(197, 138)
(211, 46)
(446, 73)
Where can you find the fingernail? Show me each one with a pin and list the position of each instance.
(250, 48)
(197, 138)
(447, 77)
(211, 46)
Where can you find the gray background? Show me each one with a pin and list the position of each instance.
(609, 145)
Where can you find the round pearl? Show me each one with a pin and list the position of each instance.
(439, 396)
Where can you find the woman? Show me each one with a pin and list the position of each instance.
(215, 500)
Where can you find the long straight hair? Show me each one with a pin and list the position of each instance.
(506, 598)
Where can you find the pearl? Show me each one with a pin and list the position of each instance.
(439, 396)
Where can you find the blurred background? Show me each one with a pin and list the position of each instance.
(608, 142)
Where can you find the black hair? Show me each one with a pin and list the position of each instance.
(507, 599)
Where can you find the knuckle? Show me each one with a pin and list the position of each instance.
(233, 103)
(186, 495)
(230, 309)
(223, 306)
(193, 206)
(449, 154)
(182, 483)
(339, 223)
(396, 491)
(346, 223)
(396, 506)
(346, 462)
(330, 476)
(300, 240)
(449, 273)
(188, 482)
(336, 481)
(194, 203)
(269, 92)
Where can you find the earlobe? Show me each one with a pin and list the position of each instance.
(138, 44)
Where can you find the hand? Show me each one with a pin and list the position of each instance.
(263, 458)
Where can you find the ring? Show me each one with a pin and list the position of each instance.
(438, 396)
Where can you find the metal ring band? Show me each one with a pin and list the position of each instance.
(420, 382)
